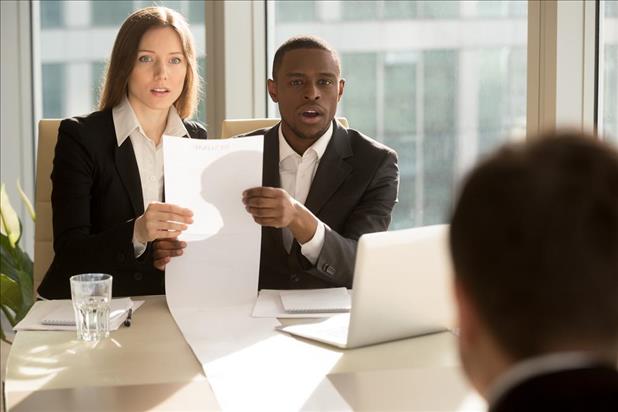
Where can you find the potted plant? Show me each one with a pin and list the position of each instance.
(16, 288)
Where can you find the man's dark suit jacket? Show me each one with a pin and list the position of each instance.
(96, 197)
(593, 389)
(353, 192)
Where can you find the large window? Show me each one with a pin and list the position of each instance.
(608, 93)
(76, 39)
(441, 82)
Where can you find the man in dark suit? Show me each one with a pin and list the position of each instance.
(324, 185)
(534, 241)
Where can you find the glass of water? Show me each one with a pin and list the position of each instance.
(91, 294)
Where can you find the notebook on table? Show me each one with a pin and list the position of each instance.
(315, 300)
(401, 289)
(64, 315)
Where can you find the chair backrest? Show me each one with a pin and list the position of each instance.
(234, 127)
(43, 231)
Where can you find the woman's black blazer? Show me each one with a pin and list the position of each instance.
(96, 197)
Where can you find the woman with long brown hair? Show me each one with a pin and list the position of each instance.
(108, 167)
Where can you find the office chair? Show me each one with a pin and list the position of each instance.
(234, 127)
(43, 232)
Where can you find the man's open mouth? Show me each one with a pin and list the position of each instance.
(311, 113)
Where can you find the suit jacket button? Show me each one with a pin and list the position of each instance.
(138, 276)
(120, 257)
(295, 278)
(329, 269)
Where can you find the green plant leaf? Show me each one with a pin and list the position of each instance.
(16, 286)
(25, 263)
(13, 258)
(27, 295)
(8, 251)
(26, 201)
(10, 297)
(8, 260)
(9, 222)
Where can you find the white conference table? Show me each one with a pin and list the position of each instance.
(149, 366)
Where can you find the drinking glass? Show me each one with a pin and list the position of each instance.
(91, 294)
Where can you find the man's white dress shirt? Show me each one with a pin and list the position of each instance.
(297, 173)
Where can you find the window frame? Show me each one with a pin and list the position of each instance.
(237, 40)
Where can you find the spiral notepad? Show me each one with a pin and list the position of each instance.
(64, 315)
(316, 300)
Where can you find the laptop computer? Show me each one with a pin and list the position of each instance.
(402, 288)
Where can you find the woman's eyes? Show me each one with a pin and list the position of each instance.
(148, 59)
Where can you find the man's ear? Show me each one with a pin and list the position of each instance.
(467, 321)
(272, 90)
(341, 86)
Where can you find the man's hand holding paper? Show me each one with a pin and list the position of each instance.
(271, 206)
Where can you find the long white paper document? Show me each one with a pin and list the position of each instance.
(212, 287)
(220, 265)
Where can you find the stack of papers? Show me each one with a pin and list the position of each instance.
(333, 300)
(269, 303)
(59, 314)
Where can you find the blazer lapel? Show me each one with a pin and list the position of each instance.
(129, 174)
(270, 166)
(332, 170)
(270, 178)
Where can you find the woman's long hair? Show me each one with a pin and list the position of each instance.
(124, 55)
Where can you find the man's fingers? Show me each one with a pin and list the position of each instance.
(263, 202)
(160, 263)
(162, 254)
(264, 212)
(168, 244)
(268, 221)
(165, 249)
(268, 192)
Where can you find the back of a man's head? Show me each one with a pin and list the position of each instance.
(534, 241)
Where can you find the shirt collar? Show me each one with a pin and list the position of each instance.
(319, 146)
(125, 122)
(535, 366)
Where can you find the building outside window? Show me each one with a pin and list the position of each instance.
(441, 82)
(608, 93)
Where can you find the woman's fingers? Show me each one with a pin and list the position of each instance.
(171, 211)
(162, 220)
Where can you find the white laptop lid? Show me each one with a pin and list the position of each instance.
(402, 285)
(402, 288)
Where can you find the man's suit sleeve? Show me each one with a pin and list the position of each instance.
(372, 214)
(76, 248)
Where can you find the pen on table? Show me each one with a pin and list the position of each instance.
(127, 321)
